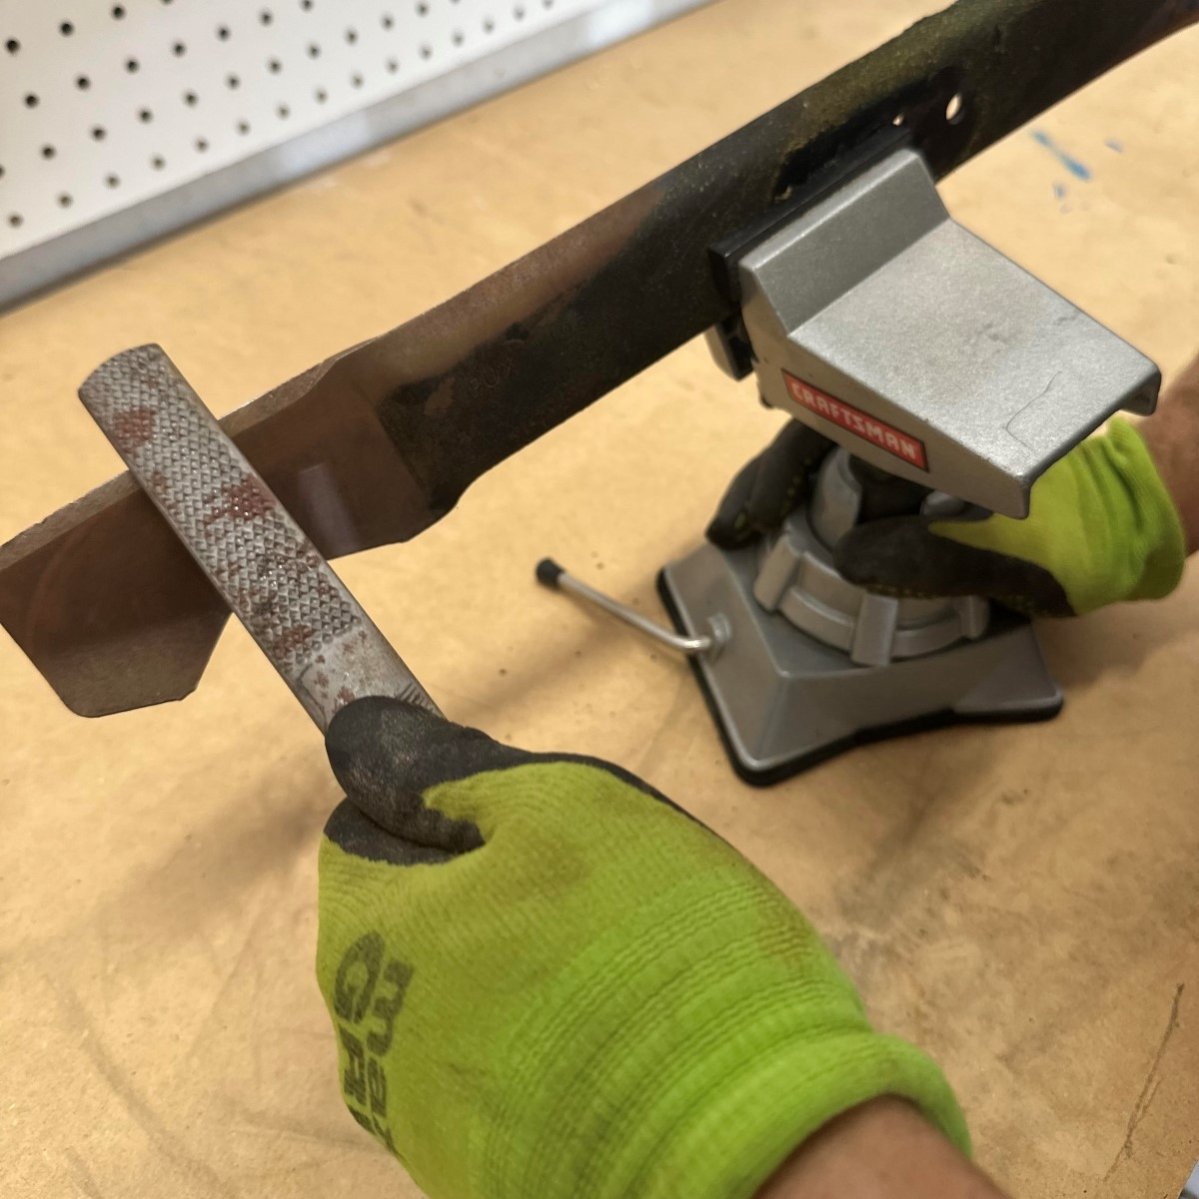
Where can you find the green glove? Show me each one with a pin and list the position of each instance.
(547, 981)
(1102, 528)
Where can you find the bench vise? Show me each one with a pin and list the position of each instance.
(869, 314)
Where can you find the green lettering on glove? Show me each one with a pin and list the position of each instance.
(547, 981)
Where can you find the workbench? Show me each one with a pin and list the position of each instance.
(1021, 901)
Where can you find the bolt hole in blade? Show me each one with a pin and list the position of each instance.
(270, 574)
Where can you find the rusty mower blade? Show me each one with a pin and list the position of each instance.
(376, 444)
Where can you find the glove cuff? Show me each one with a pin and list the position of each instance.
(716, 1068)
(738, 1134)
(1160, 529)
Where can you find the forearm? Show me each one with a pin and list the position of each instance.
(882, 1150)
(1172, 435)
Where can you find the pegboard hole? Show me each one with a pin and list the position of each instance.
(145, 115)
(488, 25)
(422, 10)
(48, 151)
(31, 101)
(321, 95)
(458, 37)
(99, 133)
(191, 99)
(179, 49)
(112, 181)
(243, 127)
(351, 36)
(426, 52)
(158, 162)
(392, 65)
(16, 220)
(518, 13)
(118, 12)
(266, 16)
(274, 66)
(232, 82)
(283, 111)
(387, 20)
(12, 46)
(222, 32)
(132, 66)
(314, 50)
(201, 145)
(66, 29)
(82, 82)
(65, 200)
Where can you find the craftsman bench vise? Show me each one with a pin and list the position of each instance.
(867, 313)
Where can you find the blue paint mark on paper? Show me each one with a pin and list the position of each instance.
(1059, 191)
(1079, 170)
(1114, 143)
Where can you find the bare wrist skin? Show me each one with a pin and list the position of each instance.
(884, 1149)
(1172, 435)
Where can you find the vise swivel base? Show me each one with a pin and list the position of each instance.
(802, 664)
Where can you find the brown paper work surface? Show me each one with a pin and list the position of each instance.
(1020, 901)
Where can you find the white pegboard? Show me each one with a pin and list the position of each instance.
(121, 121)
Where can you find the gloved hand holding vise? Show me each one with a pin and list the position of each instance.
(1106, 522)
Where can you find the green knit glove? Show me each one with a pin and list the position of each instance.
(547, 982)
(1101, 528)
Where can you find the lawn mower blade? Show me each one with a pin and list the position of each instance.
(377, 443)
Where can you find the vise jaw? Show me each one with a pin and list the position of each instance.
(877, 319)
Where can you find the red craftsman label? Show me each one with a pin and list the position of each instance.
(855, 421)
